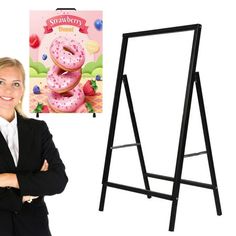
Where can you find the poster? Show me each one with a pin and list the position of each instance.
(66, 63)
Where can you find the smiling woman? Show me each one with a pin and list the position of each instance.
(30, 165)
(12, 78)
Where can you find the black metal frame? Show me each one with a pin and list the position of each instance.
(193, 78)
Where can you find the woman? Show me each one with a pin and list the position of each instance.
(30, 165)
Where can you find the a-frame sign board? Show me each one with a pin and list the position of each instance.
(193, 80)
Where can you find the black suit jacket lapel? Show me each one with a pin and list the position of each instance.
(6, 156)
(25, 135)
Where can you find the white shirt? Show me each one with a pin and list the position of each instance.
(10, 133)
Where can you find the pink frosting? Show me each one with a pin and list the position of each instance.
(67, 53)
(82, 109)
(60, 81)
(67, 102)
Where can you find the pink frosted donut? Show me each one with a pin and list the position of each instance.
(67, 53)
(82, 109)
(68, 101)
(61, 81)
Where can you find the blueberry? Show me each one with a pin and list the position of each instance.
(98, 24)
(44, 57)
(36, 89)
(98, 77)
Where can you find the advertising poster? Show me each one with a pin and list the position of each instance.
(65, 61)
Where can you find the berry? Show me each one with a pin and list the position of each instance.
(90, 88)
(98, 24)
(40, 108)
(36, 89)
(34, 41)
(45, 109)
(44, 57)
(98, 77)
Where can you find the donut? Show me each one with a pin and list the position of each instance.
(67, 53)
(82, 109)
(68, 101)
(61, 81)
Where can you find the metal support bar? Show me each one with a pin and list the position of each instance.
(182, 181)
(113, 122)
(195, 154)
(184, 125)
(126, 145)
(139, 190)
(207, 142)
(162, 31)
(136, 133)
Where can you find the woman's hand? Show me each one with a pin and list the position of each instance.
(28, 198)
(8, 180)
(45, 166)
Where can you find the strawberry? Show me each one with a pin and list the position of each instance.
(40, 108)
(45, 109)
(34, 41)
(90, 88)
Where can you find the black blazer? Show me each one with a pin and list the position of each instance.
(35, 145)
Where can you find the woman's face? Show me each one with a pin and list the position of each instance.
(11, 88)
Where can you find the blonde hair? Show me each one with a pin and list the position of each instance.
(11, 62)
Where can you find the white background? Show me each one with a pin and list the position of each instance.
(82, 139)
